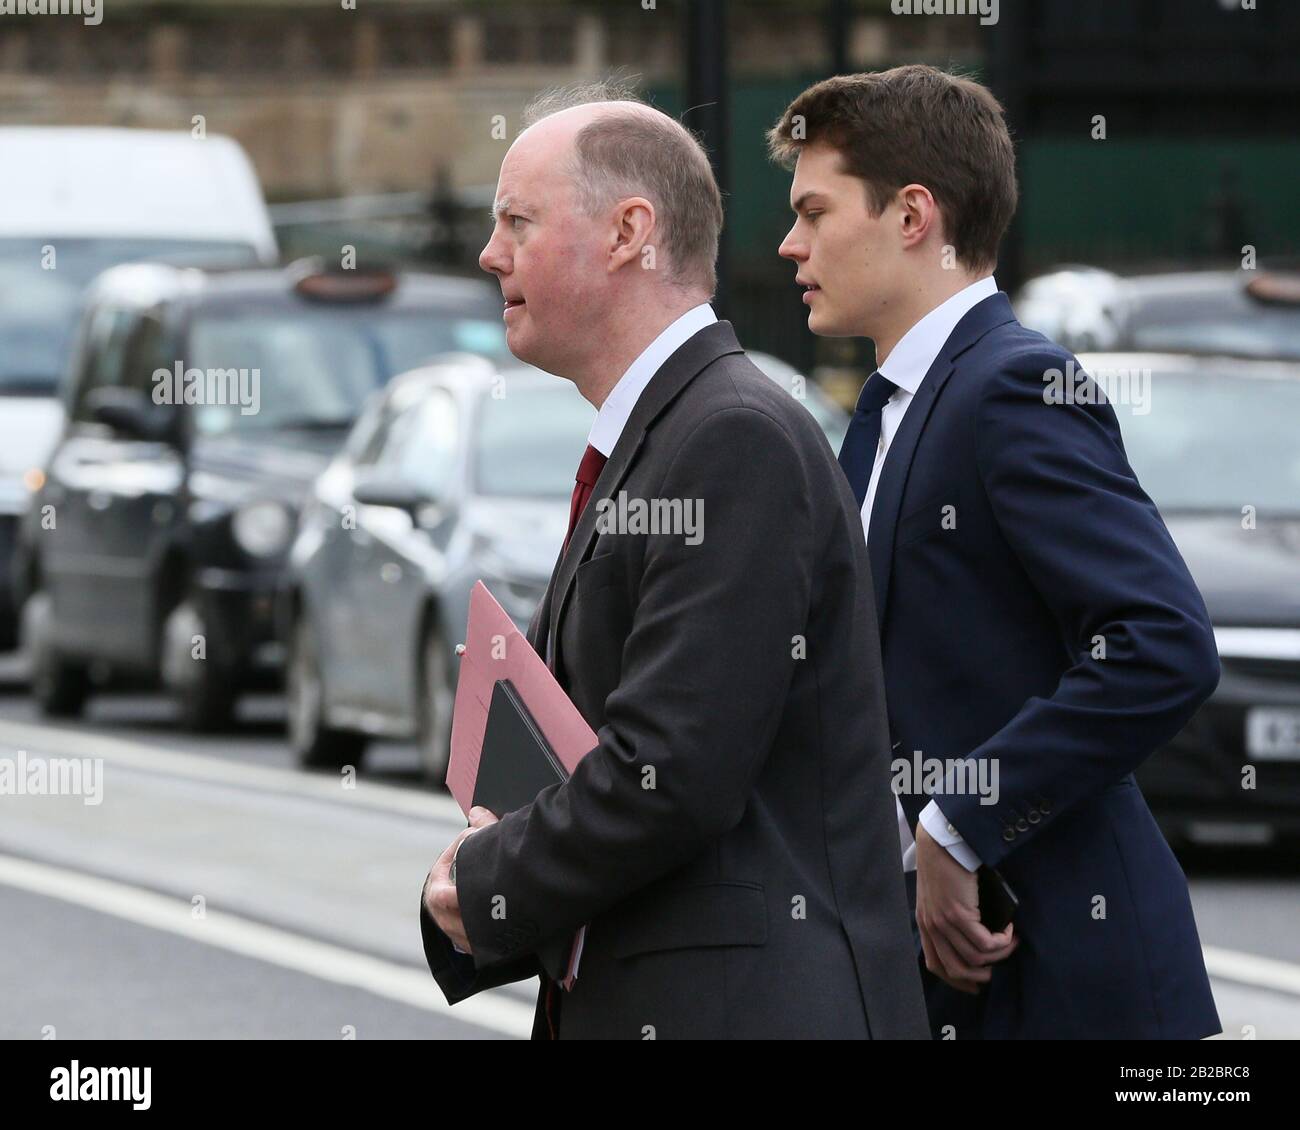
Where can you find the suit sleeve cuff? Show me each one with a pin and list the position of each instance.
(455, 854)
(947, 837)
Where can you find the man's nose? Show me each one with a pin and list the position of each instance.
(791, 248)
(491, 258)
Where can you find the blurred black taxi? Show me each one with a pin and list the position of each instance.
(200, 407)
(1213, 441)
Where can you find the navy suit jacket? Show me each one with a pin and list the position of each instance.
(1012, 548)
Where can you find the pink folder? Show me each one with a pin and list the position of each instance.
(496, 649)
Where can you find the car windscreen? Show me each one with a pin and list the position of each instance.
(41, 286)
(1227, 323)
(1215, 440)
(529, 441)
(315, 366)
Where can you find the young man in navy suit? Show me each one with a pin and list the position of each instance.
(1041, 634)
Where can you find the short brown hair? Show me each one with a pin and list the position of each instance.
(646, 154)
(915, 125)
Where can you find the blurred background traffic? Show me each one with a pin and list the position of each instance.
(265, 561)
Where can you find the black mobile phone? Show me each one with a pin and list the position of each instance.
(998, 902)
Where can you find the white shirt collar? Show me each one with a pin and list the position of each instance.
(916, 350)
(613, 415)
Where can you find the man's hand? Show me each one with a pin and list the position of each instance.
(440, 892)
(958, 949)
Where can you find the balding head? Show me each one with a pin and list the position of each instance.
(606, 230)
(618, 147)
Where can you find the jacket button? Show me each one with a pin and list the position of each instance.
(1021, 826)
(1008, 834)
(1045, 806)
(1034, 816)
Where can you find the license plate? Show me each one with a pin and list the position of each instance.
(1273, 735)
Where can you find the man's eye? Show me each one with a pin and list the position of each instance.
(515, 221)
(812, 216)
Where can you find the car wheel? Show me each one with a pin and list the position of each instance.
(315, 745)
(434, 707)
(59, 685)
(201, 689)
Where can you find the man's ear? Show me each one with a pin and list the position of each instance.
(634, 225)
(918, 214)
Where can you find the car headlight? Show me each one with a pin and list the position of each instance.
(262, 529)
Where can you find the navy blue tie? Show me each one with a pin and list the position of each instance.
(858, 452)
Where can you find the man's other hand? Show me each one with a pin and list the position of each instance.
(958, 948)
(440, 897)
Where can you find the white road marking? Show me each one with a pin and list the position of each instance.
(1251, 969)
(266, 943)
(1223, 964)
(204, 767)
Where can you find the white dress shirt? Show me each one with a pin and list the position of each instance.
(907, 365)
(614, 413)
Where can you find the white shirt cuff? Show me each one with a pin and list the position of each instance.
(906, 842)
(948, 838)
(453, 859)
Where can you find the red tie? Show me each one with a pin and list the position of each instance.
(588, 472)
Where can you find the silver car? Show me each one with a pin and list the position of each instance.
(458, 471)
(1245, 313)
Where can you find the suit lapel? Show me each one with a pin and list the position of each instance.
(714, 341)
(974, 324)
(537, 626)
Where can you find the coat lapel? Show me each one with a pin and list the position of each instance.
(714, 341)
(537, 626)
(974, 324)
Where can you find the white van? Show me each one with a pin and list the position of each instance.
(74, 202)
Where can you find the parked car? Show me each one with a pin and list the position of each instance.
(201, 407)
(75, 202)
(443, 482)
(1247, 313)
(1214, 443)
